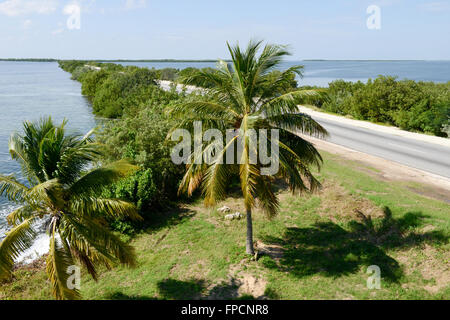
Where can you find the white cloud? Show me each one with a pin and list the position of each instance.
(135, 4)
(27, 24)
(22, 7)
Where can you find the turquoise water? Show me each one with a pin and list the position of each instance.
(30, 90)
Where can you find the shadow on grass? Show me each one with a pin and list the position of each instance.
(172, 289)
(118, 295)
(331, 250)
(180, 290)
(167, 219)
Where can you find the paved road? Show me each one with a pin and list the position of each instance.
(417, 154)
(414, 153)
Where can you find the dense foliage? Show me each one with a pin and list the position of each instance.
(410, 105)
(142, 138)
(138, 133)
(60, 191)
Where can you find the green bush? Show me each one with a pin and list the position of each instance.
(92, 81)
(79, 72)
(141, 137)
(123, 90)
(139, 188)
(170, 74)
(410, 105)
(71, 65)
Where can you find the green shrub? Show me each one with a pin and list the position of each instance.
(139, 188)
(123, 90)
(79, 72)
(141, 137)
(170, 74)
(92, 81)
(410, 105)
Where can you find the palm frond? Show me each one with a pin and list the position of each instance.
(216, 176)
(75, 159)
(286, 103)
(98, 237)
(17, 240)
(298, 123)
(99, 178)
(12, 188)
(202, 109)
(18, 152)
(89, 207)
(57, 263)
(20, 215)
(267, 198)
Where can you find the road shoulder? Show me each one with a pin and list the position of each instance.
(431, 185)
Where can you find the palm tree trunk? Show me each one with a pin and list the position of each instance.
(249, 244)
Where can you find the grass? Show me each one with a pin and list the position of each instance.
(318, 247)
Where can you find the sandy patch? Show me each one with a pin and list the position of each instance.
(434, 267)
(336, 202)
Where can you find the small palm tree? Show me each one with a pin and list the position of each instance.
(246, 95)
(62, 190)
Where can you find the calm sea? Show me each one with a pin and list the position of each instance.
(30, 90)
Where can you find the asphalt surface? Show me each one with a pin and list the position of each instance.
(425, 156)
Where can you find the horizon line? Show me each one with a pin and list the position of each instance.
(197, 60)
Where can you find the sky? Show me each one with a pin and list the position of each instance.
(199, 29)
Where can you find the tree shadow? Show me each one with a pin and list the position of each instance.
(172, 289)
(167, 219)
(330, 250)
(181, 290)
(118, 295)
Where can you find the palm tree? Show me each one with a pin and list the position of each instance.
(62, 190)
(246, 94)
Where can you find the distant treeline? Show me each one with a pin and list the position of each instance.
(29, 60)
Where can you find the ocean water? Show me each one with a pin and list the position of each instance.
(30, 90)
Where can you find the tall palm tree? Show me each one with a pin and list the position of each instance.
(246, 95)
(62, 190)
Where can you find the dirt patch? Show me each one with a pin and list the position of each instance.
(433, 267)
(240, 283)
(34, 266)
(432, 192)
(336, 202)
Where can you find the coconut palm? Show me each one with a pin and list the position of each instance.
(61, 190)
(246, 94)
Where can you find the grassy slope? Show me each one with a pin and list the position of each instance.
(317, 248)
